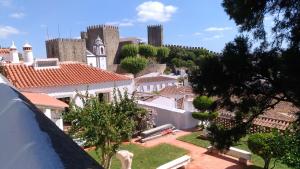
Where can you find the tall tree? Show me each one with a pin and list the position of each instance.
(101, 124)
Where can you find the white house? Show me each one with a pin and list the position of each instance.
(173, 104)
(50, 106)
(153, 83)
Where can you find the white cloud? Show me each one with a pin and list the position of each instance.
(219, 29)
(17, 15)
(197, 33)
(123, 23)
(5, 2)
(6, 31)
(213, 37)
(155, 11)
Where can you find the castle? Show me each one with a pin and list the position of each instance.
(83, 50)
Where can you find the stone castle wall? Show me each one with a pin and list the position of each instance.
(110, 37)
(67, 49)
(155, 35)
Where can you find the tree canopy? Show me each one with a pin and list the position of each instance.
(129, 50)
(134, 64)
(147, 51)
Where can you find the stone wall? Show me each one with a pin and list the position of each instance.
(149, 69)
(155, 35)
(66, 49)
(110, 37)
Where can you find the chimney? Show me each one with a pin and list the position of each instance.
(14, 55)
(28, 55)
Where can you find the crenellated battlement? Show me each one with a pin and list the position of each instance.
(155, 26)
(65, 40)
(189, 48)
(102, 26)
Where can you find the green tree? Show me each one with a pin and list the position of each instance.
(266, 146)
(205, 106)
(129, 50)
(134, 64)
(101, 124)
(147, 51)
(162, 54)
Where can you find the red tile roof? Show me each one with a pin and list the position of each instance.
(153, 79)
(23, 76)
(176, 90)
(4, 51)
(41, 99)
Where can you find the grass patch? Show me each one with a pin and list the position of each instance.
(257, 161)
(147, 158)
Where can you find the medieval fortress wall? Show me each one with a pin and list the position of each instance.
(75, 49)
(66, 49)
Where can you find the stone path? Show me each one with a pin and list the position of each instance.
(200, 158)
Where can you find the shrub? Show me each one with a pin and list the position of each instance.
(147, 51)
(203, 102)
(162, 54)
(134, 64)
(129, 50)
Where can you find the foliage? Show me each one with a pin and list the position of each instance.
(134, 64)
(203, 102)
(105, 125)
(265, 145)
(162, 54)
(250, 17)
(144, 158)
(129, 50)
(147, 51)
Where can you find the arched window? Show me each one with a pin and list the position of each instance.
(102, 50)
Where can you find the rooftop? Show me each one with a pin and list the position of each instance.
(153, 79)
(176, 90)
(32, 141)
(4, 51)
(68, 73)
(40, 99)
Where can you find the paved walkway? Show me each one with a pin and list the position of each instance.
(200, 158)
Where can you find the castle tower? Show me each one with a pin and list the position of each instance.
(67, 49)
(111, 39)
(27, 54)
(155, 35)
(14, 55)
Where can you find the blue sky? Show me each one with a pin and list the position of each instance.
(200, 23)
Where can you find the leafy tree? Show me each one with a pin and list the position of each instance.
(129, 50)
(134, 64)
(162, 53)
(101, 124)
(249, 16)
(204, 104)
(147, 51)
(266, 146)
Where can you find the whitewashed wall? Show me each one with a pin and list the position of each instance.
(155, 86)
(70, 91)
(181, 119)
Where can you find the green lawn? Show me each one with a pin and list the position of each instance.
(257, 161)
(147, 158)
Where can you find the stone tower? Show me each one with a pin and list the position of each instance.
(67, 49)
(155, 35)
(109, 35)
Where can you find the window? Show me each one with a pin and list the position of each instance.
(65, 99)
(102, 51)
(103, 97)
(148, 87)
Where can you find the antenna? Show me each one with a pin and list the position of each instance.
(58, 31)
(47, 33)
(70, 33)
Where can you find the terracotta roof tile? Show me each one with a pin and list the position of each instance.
(176, 90)
(23, 76)
(153, 79)
(4, 51)
(41, 99)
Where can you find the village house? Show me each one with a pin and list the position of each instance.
(153, 83)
